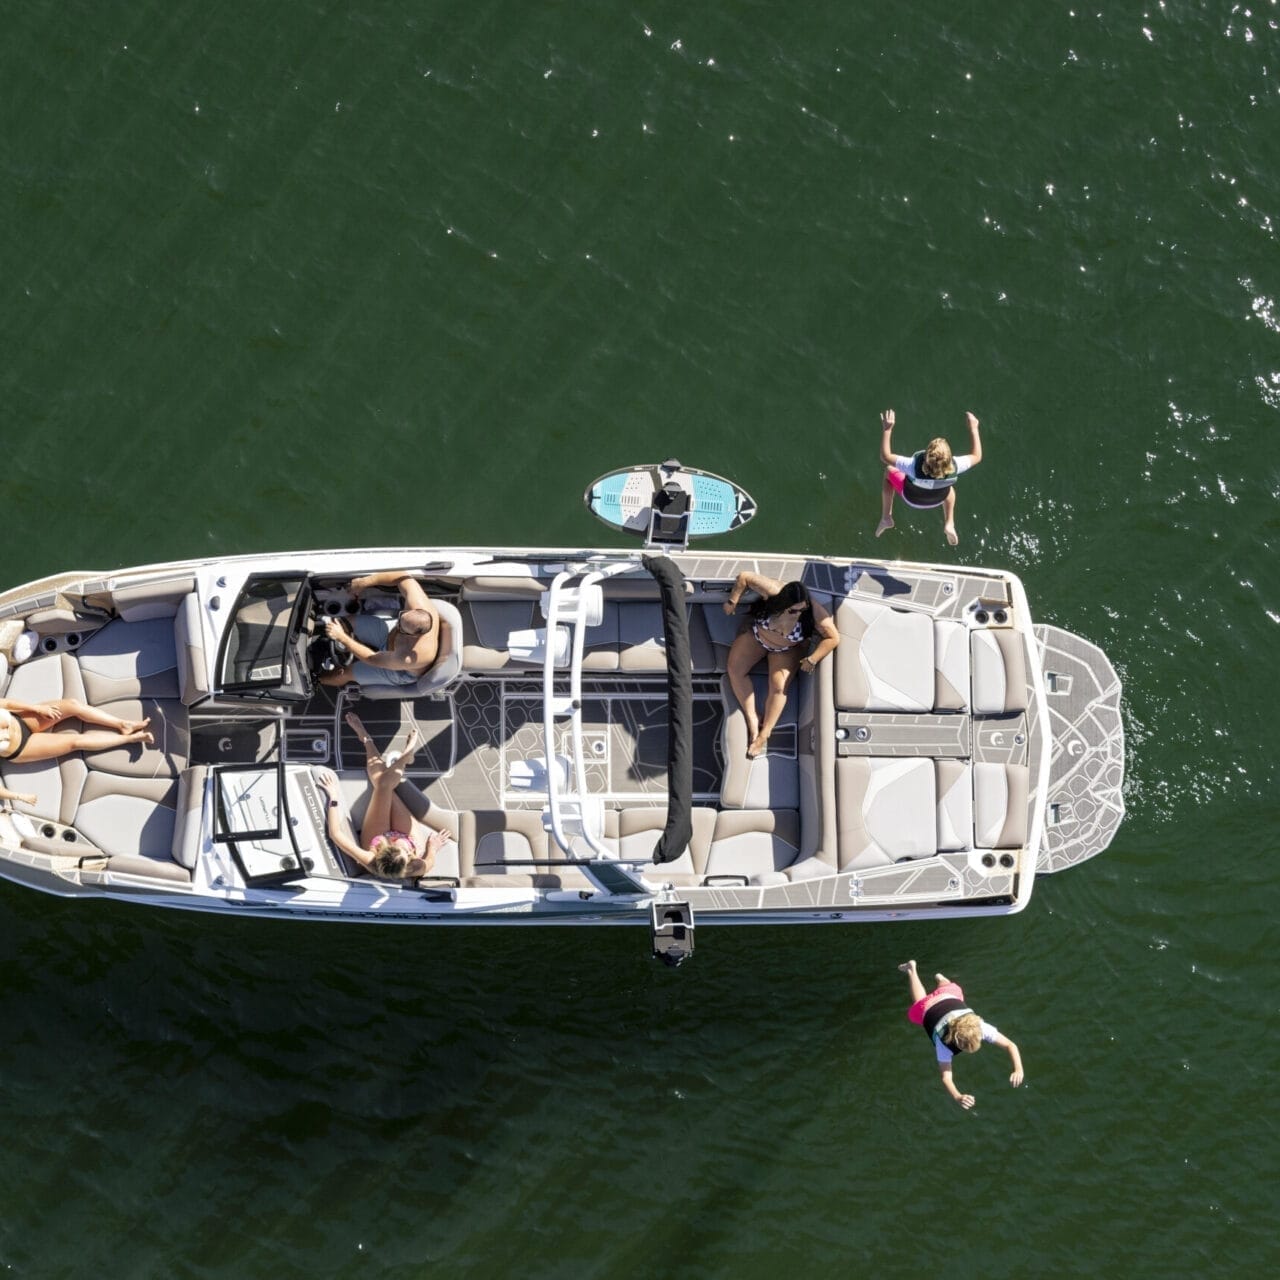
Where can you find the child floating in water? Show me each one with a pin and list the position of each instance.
(928, 478)
(954, 1028)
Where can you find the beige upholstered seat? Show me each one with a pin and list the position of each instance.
(633, 834)
(1000, 794)
(128, 816)
(772, 780)
(495, 839)
(887, 810)
(885, 660)
(999, 672)
(757, 845)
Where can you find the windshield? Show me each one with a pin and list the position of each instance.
(259, 649)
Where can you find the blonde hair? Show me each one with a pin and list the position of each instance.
(390, 859)
(964, 1034)
(937, 459)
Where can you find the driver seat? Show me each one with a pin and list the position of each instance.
(436, 678)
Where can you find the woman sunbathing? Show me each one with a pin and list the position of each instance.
(25, 736)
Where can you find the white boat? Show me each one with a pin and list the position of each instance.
(581, 742)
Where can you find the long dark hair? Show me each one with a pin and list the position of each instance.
(792, 594)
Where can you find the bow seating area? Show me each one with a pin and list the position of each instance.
(142, 657)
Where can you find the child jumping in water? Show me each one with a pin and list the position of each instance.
(954, 1028)
(926, 479)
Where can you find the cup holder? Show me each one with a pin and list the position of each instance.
(982, 617)
(49, 645)
(333, 607)
(1006, 861)
(988, 860)
(1000, 617)
(48, 830)
(69, 836)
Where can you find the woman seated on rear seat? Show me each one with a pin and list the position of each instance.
(25, 736)
(784, 621)
(393, 844)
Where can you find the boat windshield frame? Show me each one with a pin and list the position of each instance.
(279, 660)
(258, 865)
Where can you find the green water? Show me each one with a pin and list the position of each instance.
(387, 273)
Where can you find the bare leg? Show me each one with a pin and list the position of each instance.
(51, 746)
(743, 657)
(336, 679)
(425, 839)
(782, 667)
(377, 817)
(917, 987)
(403, 759)
(940, 979)
(886, 506)
(74, 709)
(371, 752)
(949, 517)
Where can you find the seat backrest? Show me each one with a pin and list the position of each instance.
(188, 642)
(189, 816)
(757, 844)
(999, 671)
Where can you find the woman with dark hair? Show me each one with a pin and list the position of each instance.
(783, 624)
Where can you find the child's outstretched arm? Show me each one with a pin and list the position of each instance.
(886, 437)
(975, 440)
(966, 1100)
(1015, 1057)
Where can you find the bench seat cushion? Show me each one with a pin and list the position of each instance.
(885, 660)
(757, 844)
(1000, 798)
(887, 809)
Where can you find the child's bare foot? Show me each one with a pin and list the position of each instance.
(941, 979)
(908, 967)
(952, 536)
(134, 726)
(884, 525)
(140, 735)
(757, 747)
